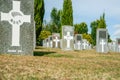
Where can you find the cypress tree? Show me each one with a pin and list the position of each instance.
(67, 14)
(38, 16)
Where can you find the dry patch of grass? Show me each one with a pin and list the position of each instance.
(55, 64)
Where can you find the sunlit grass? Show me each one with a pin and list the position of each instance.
(55, 64)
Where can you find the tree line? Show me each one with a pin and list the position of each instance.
(64, 17)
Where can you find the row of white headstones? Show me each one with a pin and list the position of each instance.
(79, 45)
(114, 46)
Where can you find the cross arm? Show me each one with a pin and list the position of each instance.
(5, 16)
(27, 18)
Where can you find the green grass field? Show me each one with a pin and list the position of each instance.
(54, 64)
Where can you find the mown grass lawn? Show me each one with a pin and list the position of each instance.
(55, 64)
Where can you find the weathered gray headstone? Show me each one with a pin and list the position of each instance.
(67, 38)
(102, 40)
(17, 26)
(56, 40)
(78, 42)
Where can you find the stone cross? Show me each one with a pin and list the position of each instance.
(16, 18)
(56, 40)
(102, 43)
(68, 37)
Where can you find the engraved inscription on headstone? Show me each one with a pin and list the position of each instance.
(15, 21)
(67, 38)
(102, 40)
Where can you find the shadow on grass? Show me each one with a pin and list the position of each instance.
(42, 53)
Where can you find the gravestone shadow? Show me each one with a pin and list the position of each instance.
(42, 53)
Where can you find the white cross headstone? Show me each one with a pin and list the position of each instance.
(102, 44)
(84, 45)
(78, 44)
(16, 18)
(68, 37)
(102, 40)
(56, 40)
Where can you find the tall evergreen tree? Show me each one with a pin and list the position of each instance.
(67, 14)
(94, 26)
(38, 16)
(102, 23)
(55, 20)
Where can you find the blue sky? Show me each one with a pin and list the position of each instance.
(90, 10)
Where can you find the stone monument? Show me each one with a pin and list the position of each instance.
(78, 41)
(85, 44)
(102, 40)
(67, 37)
(56, 40)
(17, 27)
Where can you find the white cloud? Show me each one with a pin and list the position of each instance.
(117, 26)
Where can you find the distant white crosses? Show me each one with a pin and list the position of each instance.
(102, 40)
(68, 38)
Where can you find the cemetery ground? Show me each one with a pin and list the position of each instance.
(55, 64)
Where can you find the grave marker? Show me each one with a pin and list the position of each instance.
(56, 40)
(67, 38)
(102, 40)
(17, 27)
(78, 41)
